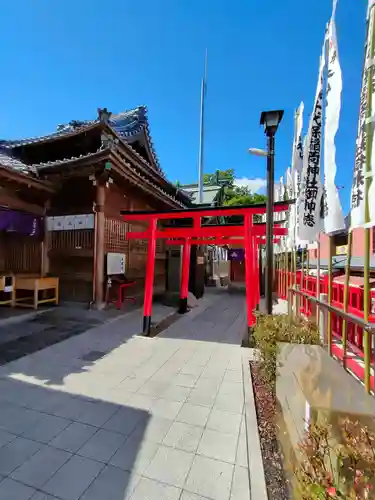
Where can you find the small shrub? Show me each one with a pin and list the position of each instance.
(329, 471)
(271, 330)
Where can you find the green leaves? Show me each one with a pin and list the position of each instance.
(318, 492)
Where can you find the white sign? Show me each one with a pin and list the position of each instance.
(70, 222)
(80, 222)
(116, 263)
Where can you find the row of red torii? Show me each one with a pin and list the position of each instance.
(248, 235)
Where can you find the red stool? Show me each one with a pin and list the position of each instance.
(121, 293)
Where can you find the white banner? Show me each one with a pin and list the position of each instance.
(333, 218)
(358, 213)
(297, 156)
(297, 165)
(279, 196)
(311, 186)
(282, 196)
(289, 183)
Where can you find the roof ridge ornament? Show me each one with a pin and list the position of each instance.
(104, 115)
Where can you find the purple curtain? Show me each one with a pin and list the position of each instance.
(20, 222)
(236, 254)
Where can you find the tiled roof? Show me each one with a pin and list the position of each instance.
(6, 160)
(210, 193)
(47, 164)
(154, 186)
(130, 123)
(127, 125)
(63, 130)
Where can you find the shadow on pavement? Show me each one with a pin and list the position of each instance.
(68, 446)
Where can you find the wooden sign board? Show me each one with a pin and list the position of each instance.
(116, 263)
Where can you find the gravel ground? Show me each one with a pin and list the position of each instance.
(272, 458)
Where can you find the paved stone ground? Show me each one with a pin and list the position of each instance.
(25, 333)
(115, 416)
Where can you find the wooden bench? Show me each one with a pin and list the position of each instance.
(7, 287)
(35, 284)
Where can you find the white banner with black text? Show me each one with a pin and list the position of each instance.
(358, 216)
(333, 219)
(311, 185)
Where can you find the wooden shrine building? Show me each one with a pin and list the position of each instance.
(22, 207)
(79, 179)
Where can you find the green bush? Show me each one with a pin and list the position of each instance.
(271, 330)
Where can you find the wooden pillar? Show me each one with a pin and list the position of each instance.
(46, 244)
(128, 228)
(100, 244)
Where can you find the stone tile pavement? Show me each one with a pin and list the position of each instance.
(115, 416)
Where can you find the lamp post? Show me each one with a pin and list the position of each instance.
(270, 120)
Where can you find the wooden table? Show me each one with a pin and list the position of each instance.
(35, 284)
(7, 287)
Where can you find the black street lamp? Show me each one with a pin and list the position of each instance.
(271, 121)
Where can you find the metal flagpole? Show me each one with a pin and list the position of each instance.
(318, 278)
(330, 240)
(346, 296)
(303, 275)
(295, 195)
(368, 181)
(286, 270)
(307, 278)
(201, 133)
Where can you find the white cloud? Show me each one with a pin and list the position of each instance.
(254, 185)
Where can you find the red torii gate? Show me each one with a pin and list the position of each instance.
(248, 234)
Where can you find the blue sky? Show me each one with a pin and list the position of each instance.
(63, 60)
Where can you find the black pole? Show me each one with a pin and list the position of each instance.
(261, 271)
(269, 220)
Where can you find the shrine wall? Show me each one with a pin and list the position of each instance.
(118, 199)
(19, 253)
(71, 244)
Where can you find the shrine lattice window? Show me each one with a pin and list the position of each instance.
(115, 236)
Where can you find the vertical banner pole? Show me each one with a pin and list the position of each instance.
(346, 297)
(329, 317)
(281, 260)
(318, 279)
(286, 272)
(303, 300)
(368, 181)
(308, 303)
(318, 269)
(285, 266)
